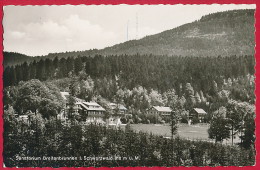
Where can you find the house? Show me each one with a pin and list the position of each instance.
(160, 110)
(95, 113)
(89, 111)
(119, 111)
(118, 108)
(94, 109)
(197, 113)
(76, 109)
(79, 108)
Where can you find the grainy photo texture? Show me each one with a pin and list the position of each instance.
(129, 85)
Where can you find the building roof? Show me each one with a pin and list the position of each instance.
(93, 106)
(120, 106)
(162, 109)
(64, 95)
(96, 109)
(199, 110)
(81, 104)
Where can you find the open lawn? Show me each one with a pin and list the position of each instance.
(192, 132)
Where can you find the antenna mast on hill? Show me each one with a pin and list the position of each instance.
(127, 30)
(136, 26)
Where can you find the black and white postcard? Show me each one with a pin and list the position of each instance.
(129, 85)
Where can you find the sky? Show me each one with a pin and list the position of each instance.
(39, 30)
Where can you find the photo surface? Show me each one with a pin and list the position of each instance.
(129, 85)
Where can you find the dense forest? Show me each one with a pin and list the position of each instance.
(143, 70)
(140, 82)
(12, 59)
(99, 146)
(152, 72)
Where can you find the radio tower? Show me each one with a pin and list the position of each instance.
(136, 26)
(127, 30)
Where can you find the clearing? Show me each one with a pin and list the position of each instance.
(192, 132)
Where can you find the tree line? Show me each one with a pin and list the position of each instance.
(152, 72)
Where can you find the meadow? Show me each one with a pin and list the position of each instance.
(190, 132)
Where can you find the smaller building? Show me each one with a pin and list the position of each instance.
(160, 110)
(197, 113)
(118, 108)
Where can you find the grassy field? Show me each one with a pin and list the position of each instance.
(192, 132)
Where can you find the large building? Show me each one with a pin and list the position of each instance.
(92, 111)
(160, 110)
(89, 111)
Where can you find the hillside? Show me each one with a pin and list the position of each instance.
(223, 33)
(226, 33)
(11, 58)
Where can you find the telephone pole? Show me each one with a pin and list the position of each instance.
(136, 37)
(127, 30)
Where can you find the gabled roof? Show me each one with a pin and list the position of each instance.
(81, 104)
(96, 109)
(93, 106)
(162, 109)
(87, 107)
(199, 110)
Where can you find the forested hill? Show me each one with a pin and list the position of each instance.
(223, 33)
(11, 58)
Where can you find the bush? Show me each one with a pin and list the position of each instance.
(123, 120)
(131, 121)
(195, 120)
(184, 120)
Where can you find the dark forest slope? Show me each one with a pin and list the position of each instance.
(11, 58)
